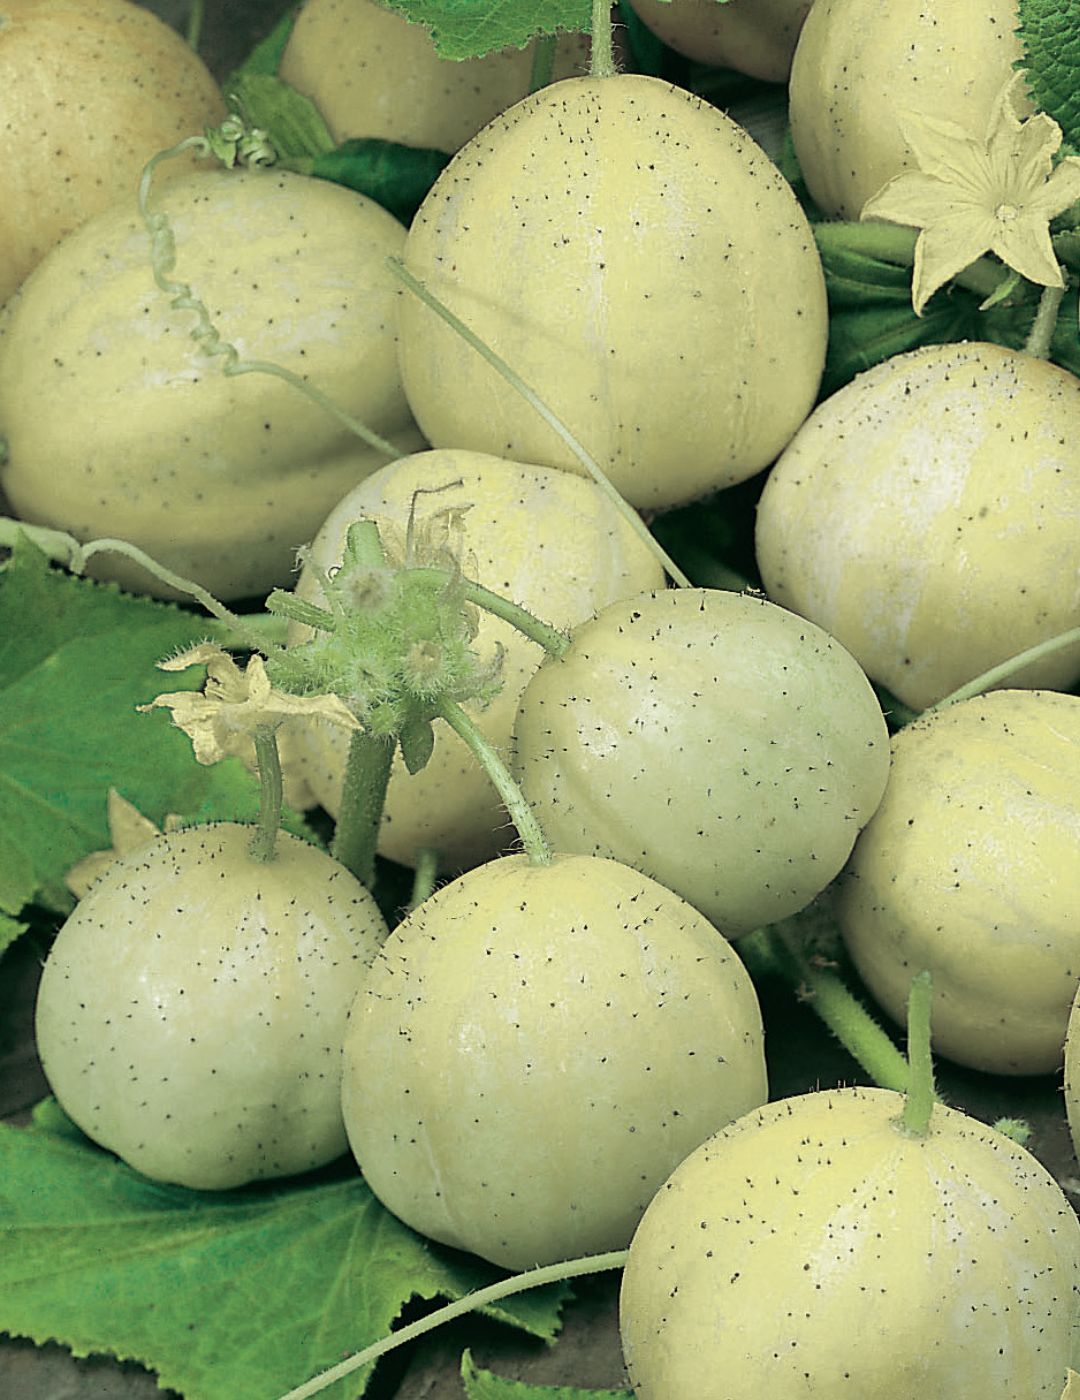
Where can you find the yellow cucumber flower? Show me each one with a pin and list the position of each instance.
(223, 718)
(973, 195)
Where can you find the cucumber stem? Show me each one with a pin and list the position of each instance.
(920, 1097)
(425, 877)
(521, 814)
(1042, 328)
(543, 62)
(196, 15)
(773, 950)
(556, 424)
(554, 642)
(264, 842)
(356, 835)
(483, 1297)
(602, 55)
(1004, 669)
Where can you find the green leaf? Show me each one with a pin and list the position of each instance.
(471, 28)
(76, 658)
(265, 57)
(485, 1385)
(291, 120)
(1050, 34)
(226, 1295)
(9, 931)
(397, 177)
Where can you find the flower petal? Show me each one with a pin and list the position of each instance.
(941, 148)
(945, 249)
(1057, 194)
(1024, 244)
(917, 200)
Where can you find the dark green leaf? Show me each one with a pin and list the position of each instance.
(1050, 34)
(397, 177)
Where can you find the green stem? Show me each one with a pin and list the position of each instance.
(287, 605)
(556, 424)
(264, 842)
(1042, 328)
(1008, 668)
(367, 772)
(920, 1097)
(521, 814)
(543, 62)
(482, 1298)
(425, 875)
(896, 244)
(837, 1006)
(196, 14)
(602, 57)
(554, 642)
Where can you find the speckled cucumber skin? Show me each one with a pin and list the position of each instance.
(641, 263)
(813, 1250)
(1072, 1070)
(718, 743)
(118, 424)
(541, 537)
(926, 514)
(91, 90)
(534, 1050)
(971, 868)
(373, 73)
(756, 37)
(860, 65)
(192, 1009)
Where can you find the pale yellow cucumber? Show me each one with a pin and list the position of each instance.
(89, 91)
(926, 515)
(372, 73)
(117, 422)
(971, 868)
(860, 65)
(545, 539)
(192, 1009)
(536, 1048)
(756, 37)
(640, 262)
(812, 1249)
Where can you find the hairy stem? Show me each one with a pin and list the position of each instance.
(264, 842)
(356, 835)
(602, 57)
(774, 950)
(1042, 328)
(196, 15)
(483, 1297)
(556, 424)
(425, 875)
(521, 814)
(920, 1097)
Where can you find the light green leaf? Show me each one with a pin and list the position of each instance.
(485, 1385)
(76, 658)
(470, 28)
(236, 1295)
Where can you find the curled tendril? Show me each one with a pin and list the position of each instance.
(183, 298)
